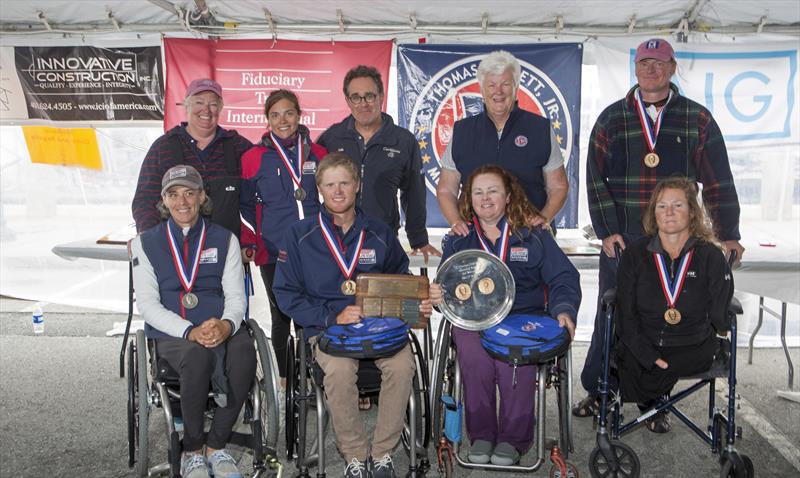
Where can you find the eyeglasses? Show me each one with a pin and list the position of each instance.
(213, 106)
(357, 99)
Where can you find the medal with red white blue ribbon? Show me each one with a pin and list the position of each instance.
(188, 300)
(651, 159)
(295, 174)
(347, 267)
(672, 289)
(502, 248)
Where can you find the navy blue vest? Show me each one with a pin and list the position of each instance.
(207, 286)
(523, 149)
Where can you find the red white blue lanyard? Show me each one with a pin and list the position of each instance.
(187, 278)
(650, 132)
(296, 175)
(672, 289)
(347, 267)
(502, 246)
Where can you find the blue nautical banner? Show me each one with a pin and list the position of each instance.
(438, 85)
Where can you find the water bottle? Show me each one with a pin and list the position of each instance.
(38, 319)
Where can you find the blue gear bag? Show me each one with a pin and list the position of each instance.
(525, 339)
(371, 338)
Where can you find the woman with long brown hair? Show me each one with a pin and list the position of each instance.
(497, 212)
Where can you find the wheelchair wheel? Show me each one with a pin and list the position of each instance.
(735, 465)
(562, 400)
(143, 408)
(420, 389)
(442, 379)
(132, 403)
(627, 460)
(555, 472)
(290, 423)
(267, 389)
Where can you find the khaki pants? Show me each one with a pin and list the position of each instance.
(397, 373)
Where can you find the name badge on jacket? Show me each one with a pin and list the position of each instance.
(519, 254)
(209, 256)
(367, 256)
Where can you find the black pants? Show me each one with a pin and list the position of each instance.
(195, 365)
(281, 323)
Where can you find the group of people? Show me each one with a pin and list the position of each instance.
(228, 202)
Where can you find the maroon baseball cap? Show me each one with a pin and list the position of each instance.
(655, 48)
(203, 84)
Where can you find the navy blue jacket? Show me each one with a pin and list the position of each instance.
(308, 280)
(207, 286)
(267, 202)
(523, 149)
(390, 162)
(545, 279)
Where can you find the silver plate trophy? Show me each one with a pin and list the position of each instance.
(478, 289)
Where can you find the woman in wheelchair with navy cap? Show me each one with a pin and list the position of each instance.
(673, 291)
(315, 286)
(190, 290)
(498, 213)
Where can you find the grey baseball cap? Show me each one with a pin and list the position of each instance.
(181, 175)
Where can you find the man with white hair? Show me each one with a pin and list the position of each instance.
(506, 135)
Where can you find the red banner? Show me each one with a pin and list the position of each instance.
(249, 70)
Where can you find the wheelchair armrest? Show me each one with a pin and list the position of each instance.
(610, 296)
(735, 307)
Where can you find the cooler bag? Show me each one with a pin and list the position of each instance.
(525, 339)
(373, 337)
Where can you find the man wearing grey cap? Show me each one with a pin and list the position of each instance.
(651, 134)
(200, 142)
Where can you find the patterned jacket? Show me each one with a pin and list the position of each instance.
(689, 144)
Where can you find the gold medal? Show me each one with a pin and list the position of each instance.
(672, 316)
(651, 160)
(189, 301)
(463, 291)
(349, 287)
(300, 194)
(486, 286)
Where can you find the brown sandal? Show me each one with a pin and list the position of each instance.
(587, 407)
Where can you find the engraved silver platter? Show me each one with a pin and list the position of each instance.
(477, 288)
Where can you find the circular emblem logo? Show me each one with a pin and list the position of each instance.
(453, 93)
(529, 327)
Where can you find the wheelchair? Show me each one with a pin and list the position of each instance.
(304, 392)
(612, 457)
(447, 394)
(152, 384)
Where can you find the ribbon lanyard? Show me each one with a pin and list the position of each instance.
(650, 132)
(672, 289)
(503, 246)
(187, 279)
(347, 268)
(297, 176)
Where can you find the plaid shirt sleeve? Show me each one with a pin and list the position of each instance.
(148, 188)
(714, 172)
(602, 208)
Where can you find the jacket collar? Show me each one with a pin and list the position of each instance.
(358, 224)
(655, 245)
(177, 231)
(630, 96)
(302, 130)
(382, 136)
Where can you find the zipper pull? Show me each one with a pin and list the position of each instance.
(514, 375)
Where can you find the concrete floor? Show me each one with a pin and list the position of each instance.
(63, 408)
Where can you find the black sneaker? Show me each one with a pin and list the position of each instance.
(383, 468)
(355, 469)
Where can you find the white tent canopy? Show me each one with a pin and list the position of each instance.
(386, 17)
